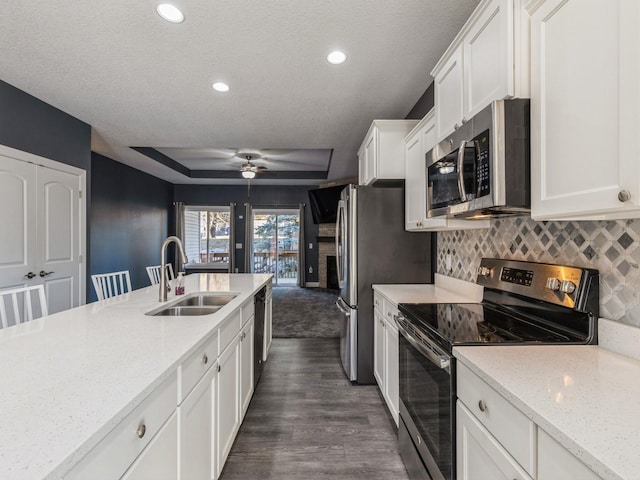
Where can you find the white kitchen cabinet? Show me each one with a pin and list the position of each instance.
(228, 400)
(385, 355)
(554, 461)
(197, 429)
(381, 155)
(159, 461)
(479, 456)
(585, 109)
(246, 365)
(417, 144)
(268, 324)
(488, 60)
(378, 349)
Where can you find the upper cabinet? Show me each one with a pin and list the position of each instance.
(381, 155)
(488, 60)
(416, 145)
(585, 109)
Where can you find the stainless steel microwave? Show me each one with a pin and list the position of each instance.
(483, 169)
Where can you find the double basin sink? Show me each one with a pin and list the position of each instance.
(196, 304)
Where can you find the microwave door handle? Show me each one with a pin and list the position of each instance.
(441, 361)
(461, 189)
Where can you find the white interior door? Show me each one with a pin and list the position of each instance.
(18, 220)
(58, 238)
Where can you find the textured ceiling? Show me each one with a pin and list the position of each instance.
(140, 81)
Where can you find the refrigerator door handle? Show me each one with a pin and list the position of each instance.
(339, 303)
(340, 243)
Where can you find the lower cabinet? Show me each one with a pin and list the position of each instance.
(159, 460)
(554, 461)
(385, 352)
(197, 427)
(246, 365)
(228, 401)
(479, 455)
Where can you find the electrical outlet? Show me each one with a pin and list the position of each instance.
(447, 262)
(310, 269)
(311, 246)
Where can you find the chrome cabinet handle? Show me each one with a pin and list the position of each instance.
(205, 359)
(30, 275)
(624, 195)
(142, 429)
(456, 126)
(44, 274)
(482, 406)
(219, 368)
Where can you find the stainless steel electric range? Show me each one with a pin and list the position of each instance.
(524, 303)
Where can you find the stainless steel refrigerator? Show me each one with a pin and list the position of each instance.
(372, 247)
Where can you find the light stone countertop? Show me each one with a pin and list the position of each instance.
(67, 379)
(444, 290)
(586, 397)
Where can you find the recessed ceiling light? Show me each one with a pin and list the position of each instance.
(220, 87)
(170, 13)
(337, 57)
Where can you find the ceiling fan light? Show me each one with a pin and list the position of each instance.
(248, 174)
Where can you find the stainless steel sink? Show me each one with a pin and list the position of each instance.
(185, 311)
(205, 299)
(195, 304)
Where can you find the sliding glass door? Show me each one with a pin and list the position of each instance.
(275, 244)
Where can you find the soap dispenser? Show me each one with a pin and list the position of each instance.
(180, 284)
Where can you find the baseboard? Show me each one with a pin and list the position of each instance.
(312, 285)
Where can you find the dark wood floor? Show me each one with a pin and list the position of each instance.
(306, 421)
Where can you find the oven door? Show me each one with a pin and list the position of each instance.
(427, 403)
(451, 179)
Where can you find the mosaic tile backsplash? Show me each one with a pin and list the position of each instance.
(611, 247)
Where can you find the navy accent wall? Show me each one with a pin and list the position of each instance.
(131, 216)
(423, 105)
(261, 196)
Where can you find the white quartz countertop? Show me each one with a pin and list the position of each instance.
(586, 397)
(444, 290)
(69, 378)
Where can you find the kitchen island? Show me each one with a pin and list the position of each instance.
(70, 379)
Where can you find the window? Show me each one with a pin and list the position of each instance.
(206, 231)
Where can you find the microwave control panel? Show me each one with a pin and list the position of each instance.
(483, 183)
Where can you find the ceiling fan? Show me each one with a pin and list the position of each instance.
(249, 170)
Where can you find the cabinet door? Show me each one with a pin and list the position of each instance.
(371, 157)
(268, 328)
(196, 430)
(488, 57)
(448, 94)
(159, 460)
(392, 370)
(414, 193)
(585, 109)
(246, 366)
(228, 401)
(478, 455)
(378, 349)
(554, 461)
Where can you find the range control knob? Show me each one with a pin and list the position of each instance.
(567, 286)
(553, 284)
(484, 271)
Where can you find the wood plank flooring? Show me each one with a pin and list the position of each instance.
(306, 421)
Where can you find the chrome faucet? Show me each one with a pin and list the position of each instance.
(164, 284)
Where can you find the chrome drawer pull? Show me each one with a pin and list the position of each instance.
(482, 406)
(142, 429)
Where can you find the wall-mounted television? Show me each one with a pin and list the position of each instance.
(324, 203)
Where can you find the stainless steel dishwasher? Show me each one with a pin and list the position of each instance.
(258, 338)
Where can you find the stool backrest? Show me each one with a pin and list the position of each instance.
(154, 273)
(109, 285)
(18, 304)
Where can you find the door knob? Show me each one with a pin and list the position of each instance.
(30, 275)
(44, 274)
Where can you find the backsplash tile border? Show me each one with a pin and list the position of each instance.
(612, 247)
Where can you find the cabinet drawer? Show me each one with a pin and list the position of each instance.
(192, 369)
(248, 310)
(229, 329)
(113, 455)
(390, 309)
(378, 301)
(515, 432)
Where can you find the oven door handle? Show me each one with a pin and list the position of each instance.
(441, 361)
(461, 189)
